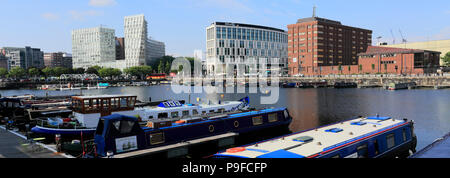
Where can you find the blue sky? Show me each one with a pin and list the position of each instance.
(47, 24)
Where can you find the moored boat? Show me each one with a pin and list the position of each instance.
(119, 134)
(370, 137)
(88, 109)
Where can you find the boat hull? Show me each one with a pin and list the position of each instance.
(62, 132)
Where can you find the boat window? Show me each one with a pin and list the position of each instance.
(273, 117)
(194, 112)
(150, 117)
(174, 114)
(116, 125)
(257, 120)
(203, 112)
(377, 147)
(221, 110)
(156, 138)
(123, 103)
(362, 151)
(163, 115)
(336, 156)
(404, 134)
(334, 130)
(390, 139)
(126, 126)
(286, 114)
(166, 104)
(211, 111)
(100, 127)
(185, 113)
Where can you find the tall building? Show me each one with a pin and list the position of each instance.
(120, 48)
(58, 59)
(3, 61)
(442, 46)
(135, 29)
(232, 44)
(24, 57)
(93, 46)
(317, 46)
(155, 50)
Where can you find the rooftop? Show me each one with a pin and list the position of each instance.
(389, 50)
(247, 25)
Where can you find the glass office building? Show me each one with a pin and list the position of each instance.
(232, 44)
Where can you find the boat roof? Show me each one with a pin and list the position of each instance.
(321, 140)
(102, 96)
(192, 106)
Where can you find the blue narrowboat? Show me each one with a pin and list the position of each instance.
(370, 137)
(118, 133)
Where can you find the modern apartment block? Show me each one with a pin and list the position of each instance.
(233, 44)
(155, 50)
(58, 59)
(93, 46)
(135, 29)
(23, 57)
(317, 46)
(3, 61)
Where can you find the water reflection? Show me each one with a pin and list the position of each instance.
(315, 107)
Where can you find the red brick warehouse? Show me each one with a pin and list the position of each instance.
(319, 46)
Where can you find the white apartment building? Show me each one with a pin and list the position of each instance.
(93, 46)
(135, 29)
(233, 44)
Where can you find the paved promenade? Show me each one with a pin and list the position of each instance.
(11, 147)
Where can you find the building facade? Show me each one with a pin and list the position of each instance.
(25, 58)
(93, 46)
(233, 44)
(155, 50)
(442, 46)
(3, 61)
(389, 60)
(58, 59)
(120, 48)
(315, 43)
(135, 29)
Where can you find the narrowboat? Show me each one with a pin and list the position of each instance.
(119, 133)
(86, 111)
(399, 86)
(370, 137)
(343, 84)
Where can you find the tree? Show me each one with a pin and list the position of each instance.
(139, 71)
(34, 72)
(168, 67)
(48, 71)
(3, 72)
(109, 72)
(78, 71)
(161, 67)
(17, 72)
(446, 59)
(93, 70)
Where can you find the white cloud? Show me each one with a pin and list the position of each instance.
(228, 4)
(102, 3)
(81, 15)
(50, 16)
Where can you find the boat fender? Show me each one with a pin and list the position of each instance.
(211, 128)
(236, 124)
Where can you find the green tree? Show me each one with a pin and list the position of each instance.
(161, 67)
(34, 72)
(446, 59)
(17, 72)
(3, 72)
(93, 70)
(48, 72)
(78, 71)
(109, 72)
(58, 71)
(168, 67)
(139, 71)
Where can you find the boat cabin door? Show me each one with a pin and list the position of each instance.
(105, 107)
